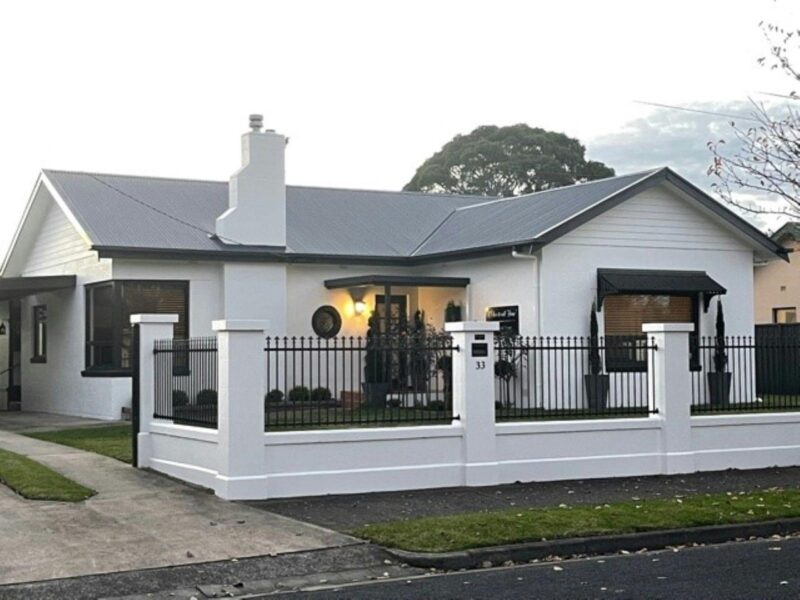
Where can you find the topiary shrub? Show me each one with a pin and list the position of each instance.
(179, 398)
(321, 394)
(273, 397)
(437, 405)
(298, 394)
(206, 397)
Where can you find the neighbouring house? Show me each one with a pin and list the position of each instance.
(92, 249)
(777, 283)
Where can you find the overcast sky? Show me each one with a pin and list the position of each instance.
(365, 90)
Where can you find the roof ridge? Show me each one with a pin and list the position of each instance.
(593, 181)
(308, 187)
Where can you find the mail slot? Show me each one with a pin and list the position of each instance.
(480, 349)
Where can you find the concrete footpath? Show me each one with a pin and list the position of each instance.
(137, 520)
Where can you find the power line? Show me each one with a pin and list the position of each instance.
(786, 96)
(697, 110)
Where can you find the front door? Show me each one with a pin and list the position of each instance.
(395, 323)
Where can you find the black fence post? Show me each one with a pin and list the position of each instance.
(135, 397)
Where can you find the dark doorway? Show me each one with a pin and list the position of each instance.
(14, 355)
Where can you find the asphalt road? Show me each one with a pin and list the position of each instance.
(761, 569)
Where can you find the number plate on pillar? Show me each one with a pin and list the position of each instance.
(480, 349)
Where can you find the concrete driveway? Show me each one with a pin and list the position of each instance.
(138, 519)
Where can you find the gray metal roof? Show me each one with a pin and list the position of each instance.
(140, 214)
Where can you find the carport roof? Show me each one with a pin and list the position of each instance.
(18, 287)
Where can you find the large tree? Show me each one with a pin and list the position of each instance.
(506, 161)
(764, 158)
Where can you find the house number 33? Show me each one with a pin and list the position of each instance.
(480, 365)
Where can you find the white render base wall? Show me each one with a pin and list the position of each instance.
(312, 463)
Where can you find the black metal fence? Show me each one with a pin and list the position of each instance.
(186, 381)
(746, 373)
(358, 381)
(572, 377)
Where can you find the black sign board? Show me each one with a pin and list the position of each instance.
(507, 316)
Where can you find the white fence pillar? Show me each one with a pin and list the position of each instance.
(151, 328)
(473, 398)
(670, 392)
(242, 459)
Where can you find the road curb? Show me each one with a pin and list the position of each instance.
(606, 544)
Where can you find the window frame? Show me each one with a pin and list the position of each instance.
(39, 354)
(117, 324)
(780, 308)
(622, 365)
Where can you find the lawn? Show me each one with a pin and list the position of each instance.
(35, 481)
(460, 532)
(111, 440)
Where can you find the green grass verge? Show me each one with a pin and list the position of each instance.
(34, 481)
(111, 440)
(474, 530)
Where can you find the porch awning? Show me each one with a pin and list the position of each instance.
(12, 288)
(668, 283)
(396, 280)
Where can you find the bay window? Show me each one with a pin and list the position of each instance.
(109, 307)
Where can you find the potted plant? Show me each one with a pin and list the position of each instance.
(376, 380)
(595, 381)
(719, 381)
(452, 312)
(505, 368)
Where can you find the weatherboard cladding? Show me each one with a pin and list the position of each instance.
(157, 214)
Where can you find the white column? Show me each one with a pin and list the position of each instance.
(151, 328)
(670, 391)
(473, 398)
(242, 459)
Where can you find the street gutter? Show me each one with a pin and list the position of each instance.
(605, 544)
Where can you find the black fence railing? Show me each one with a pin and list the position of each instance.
(746, 373)
(186, 381)
(572, 377)
(358, 381)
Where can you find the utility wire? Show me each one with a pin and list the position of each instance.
(697, 110)
(786, 96)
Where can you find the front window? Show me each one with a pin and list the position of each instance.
(784, 315)
(109, 307)
(39, 334)
(624, 317)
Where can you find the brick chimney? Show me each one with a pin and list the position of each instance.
(256, 212)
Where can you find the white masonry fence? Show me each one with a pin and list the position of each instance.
(469, 442)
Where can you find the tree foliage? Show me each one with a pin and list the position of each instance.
(506, 161)
(765, 158)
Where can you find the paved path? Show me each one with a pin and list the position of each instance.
(137, 520)
(763, 569)
(346, 512)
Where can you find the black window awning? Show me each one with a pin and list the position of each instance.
(656, 282)
(12, 288)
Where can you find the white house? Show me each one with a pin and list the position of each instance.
(92, 249)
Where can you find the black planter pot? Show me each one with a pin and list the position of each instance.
(719, 388)
(596, 391)
(375, 394)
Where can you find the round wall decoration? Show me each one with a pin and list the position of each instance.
(326, 321)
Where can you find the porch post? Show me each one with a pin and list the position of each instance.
(242, 460)
(473, 398)
(670, 392)
(151, 328)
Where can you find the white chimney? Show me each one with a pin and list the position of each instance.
(256, 212)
